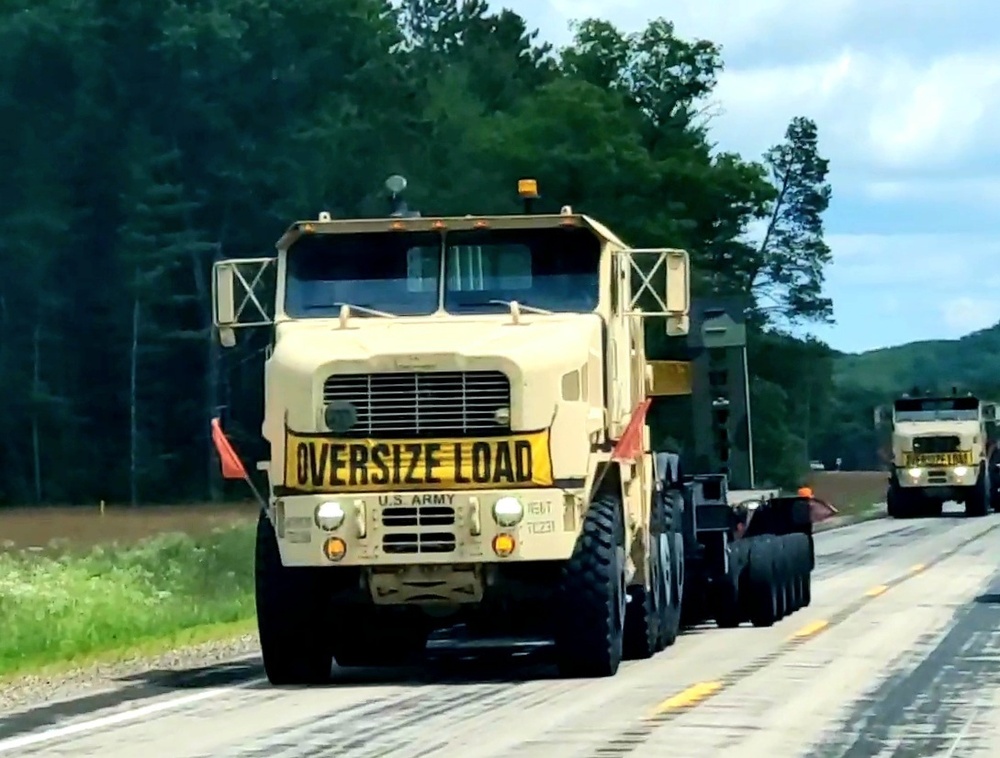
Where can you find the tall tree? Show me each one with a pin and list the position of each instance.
(793, 251)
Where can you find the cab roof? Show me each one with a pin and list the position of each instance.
(442, 223)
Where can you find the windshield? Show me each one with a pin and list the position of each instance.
(548, 269)
(399, 273)
(395, 273)
(937, 409)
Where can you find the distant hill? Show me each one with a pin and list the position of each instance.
(971, 363)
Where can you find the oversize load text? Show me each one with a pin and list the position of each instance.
(316, 464)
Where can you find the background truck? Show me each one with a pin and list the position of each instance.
(942, 446)
(456, 410)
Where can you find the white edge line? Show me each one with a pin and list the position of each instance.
(115, 719)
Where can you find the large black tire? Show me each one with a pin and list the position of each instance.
(670, 623)
(897, 503)
(763, 600)
(291, 616)
(802, 552)
(647, 608)
(727, 596)
(782, 577)
(590, 604)
(978, 502)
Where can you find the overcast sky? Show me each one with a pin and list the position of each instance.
(904, 94)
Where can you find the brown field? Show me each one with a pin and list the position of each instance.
(849, 490)
(81, 527)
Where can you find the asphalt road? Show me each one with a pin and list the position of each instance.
(898, 655)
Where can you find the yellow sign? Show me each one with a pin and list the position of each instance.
(317, 463)
(670, 378)
(963, 458)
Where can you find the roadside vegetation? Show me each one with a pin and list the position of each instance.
(62, 608)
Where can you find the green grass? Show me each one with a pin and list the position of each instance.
(58, 609)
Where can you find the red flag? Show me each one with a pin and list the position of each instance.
(820, 510)
(629, 446)
(232, 467)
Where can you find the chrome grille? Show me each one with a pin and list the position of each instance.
(942, 444)
(426, 529)
(432, 404)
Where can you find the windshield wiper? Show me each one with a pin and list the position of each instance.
(522, 306)
(369, 311)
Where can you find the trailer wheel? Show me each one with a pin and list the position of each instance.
(590, 605)
(728, 602)
(670, 611)
(763, 600)
(782, 577)
(799, 545)
(290, 616)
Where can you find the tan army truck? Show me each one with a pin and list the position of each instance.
(940, 452)
(443, 397)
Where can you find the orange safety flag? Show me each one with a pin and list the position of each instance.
(820, 510)
(629, 446)
(232, 467)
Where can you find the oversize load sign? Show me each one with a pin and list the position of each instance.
(315, 463)
(939, 459)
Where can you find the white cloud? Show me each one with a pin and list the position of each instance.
(906, 96)
(967, 314)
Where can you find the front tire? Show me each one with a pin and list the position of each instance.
(978, 501)
(590, 620)
(291, 616)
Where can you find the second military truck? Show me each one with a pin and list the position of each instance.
(941, 451)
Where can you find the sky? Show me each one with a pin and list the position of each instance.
(903, 94)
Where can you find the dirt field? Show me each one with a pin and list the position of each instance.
(849, 489)
(82, 527)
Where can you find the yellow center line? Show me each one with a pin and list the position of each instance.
(685, 699)
(878, 590)
(810, 630)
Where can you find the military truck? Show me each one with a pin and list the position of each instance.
(455, 411)
(941, 451)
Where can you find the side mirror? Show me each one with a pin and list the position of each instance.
(242, 295)
(677, 294)
(225, 294)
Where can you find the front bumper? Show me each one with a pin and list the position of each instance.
(419, 528)
(938, 476)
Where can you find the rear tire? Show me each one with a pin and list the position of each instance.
(590, 607)
(728, 602)
(291, 616)
(763, 600)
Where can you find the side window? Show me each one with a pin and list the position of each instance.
(421, 269)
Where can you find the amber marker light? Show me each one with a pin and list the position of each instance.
(503, 545)
(334, 549)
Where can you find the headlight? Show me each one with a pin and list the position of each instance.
(914, 473)
(501, 416)
(329, 516)
(508, 511)
(961, 470)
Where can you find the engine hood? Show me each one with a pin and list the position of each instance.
(536, 355)
(910, 429)
(443, 344)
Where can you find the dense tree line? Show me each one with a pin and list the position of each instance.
(142, 141)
